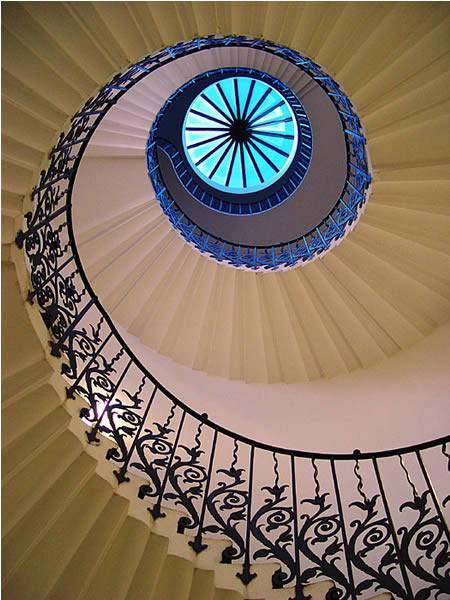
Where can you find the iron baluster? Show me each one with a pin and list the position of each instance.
(158, 444)
(319, 541)
(92, 434)
(299, 594)
(393, 532)
(155, 511)
(122, 420)
(316, 477)
(271, 527)
(447, 455)
(371, 536)
(33, 292)
(359, 478)
(227, 506)
(344, 534)
(246, 576)
(191, 472)
(432, 493)
(97, 384)
(197, 545)
(71, 389)
(56, 346)
(408, 477)
(22, 235)
(427, 534)
(121, 474)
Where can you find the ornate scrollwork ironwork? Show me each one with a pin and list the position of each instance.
(121, 420)
(322, 530)
(425, 541)
(320, 540)
(79, 347)
(187, 478)
(95, 383)
(371, 534)
(275, 517)
(154, 449)
(55, 291)
(228, 504)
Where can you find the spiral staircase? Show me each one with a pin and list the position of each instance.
(71, 527)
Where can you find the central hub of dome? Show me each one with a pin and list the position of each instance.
(240, 134)
(240, 131)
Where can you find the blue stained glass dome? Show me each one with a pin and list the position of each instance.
(240, 135)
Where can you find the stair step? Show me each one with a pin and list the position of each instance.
(31, 482)
(58, 546)
(202, 587)
(24, 348)
(82, 571)
(23, 449)
(221, 594)
(33, 526)
(146, 577)
(175, 580)
(25, 381)
(20, 417)
(115, 574)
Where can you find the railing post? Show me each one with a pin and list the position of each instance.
(344, 534)
(71, 389)
(394, 534)
(121, 474)
(299, 594)
(246, 576)
(92, 434)
(432, 493)
(156, 510)
(56, 346)
(197, 545)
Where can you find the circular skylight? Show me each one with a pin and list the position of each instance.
(251, 172)
(240, 135)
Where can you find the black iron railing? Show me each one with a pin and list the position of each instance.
(368, 521)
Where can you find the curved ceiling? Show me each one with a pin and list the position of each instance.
(383, 289)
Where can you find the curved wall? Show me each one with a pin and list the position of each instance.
(373, 409)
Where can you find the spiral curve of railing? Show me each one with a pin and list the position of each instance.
(368, 521)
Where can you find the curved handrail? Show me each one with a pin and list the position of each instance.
(256, 495)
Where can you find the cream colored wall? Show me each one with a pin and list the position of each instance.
(403, 401)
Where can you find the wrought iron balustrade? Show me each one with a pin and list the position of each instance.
(369, 522)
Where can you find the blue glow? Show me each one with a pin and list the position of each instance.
(319, 239)
(240, 135)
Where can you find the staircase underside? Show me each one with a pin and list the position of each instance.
(69, 531)
(379, 292)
